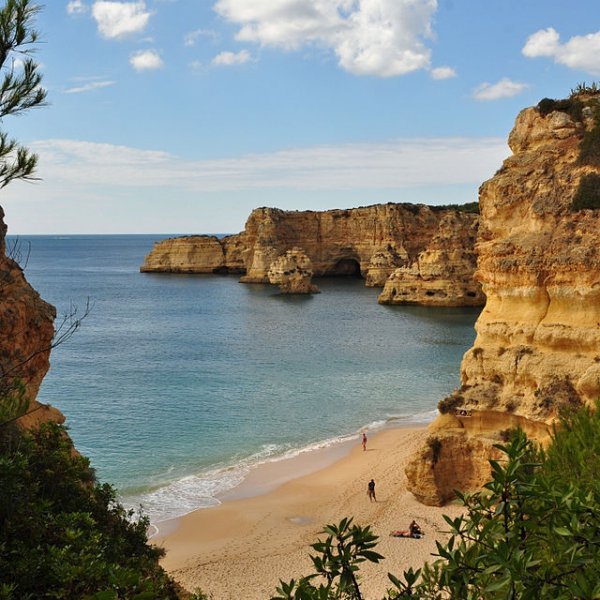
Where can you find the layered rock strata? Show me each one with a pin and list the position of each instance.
(26, 334)
(371, 242)
(442, 274)
(292, 272)
(537, 348)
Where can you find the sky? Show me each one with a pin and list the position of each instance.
(181, 116)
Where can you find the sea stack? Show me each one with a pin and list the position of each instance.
(537, 350)
(293, 273)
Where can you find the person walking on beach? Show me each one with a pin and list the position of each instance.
(364, 441)
(371, 490)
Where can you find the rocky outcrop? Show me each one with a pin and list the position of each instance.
(26, 333)
(292, 272)
(537, 348)
(442, 274)
(371, 242)
(195, 254)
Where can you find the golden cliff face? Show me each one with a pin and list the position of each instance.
(26, 333)
(370, 241)
(443, 273)
(538, 338)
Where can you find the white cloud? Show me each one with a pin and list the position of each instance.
(401, 163)
(443, 73)
(120, 19)
(229, 59)
(192, 37)
(581, 52)
(146, 60)
(369, 37)
(76, 7)
(88, 87)
(505, 88)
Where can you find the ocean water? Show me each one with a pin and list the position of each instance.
(176, 385)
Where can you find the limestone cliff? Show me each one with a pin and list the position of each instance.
(537, 348)
(292, 272)
(442, 274)
(26, 333)
(370, 241)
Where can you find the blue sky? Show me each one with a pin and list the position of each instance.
(180, 116)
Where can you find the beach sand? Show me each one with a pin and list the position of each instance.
(243, 547)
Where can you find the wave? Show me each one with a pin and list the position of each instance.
(202, 490)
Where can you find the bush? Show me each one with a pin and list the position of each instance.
(63, 535)
(572, 106)
(468, 207)
(589, 147)
(588, 193)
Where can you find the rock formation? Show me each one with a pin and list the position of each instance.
(293, 273)
(538, 338)
(370, 242)
(442, 274)
(26, 333)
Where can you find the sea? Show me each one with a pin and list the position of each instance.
(177, 386)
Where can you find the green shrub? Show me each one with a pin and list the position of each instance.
(63, 535)
(447, 405)
(468, 207)
(572, 106)
(588, 193)
(589, 147)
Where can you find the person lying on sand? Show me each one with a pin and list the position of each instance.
(413, 531)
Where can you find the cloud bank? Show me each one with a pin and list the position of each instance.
(395, 164)
(581, 52)
(384, 38)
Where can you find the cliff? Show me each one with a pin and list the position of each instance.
(371, 242)
(443, 273)
(537, 348)
(25, 337)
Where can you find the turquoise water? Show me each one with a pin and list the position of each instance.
(175, 385)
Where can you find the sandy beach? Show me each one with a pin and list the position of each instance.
(243, 547)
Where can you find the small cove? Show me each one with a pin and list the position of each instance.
(177, 384)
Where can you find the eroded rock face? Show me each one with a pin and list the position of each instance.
(292, 272)
(538, 337)
(26, 333)
(370, 242)
(443, 273)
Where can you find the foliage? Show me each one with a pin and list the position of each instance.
(588, 193)
(448, 404)
(14, 401)
(589, 147)
(572, 106)
(585, 89)
(533, 532)
(468, 207)
(435, 445)
(345, 547)
(62, 535)
(20, 88)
